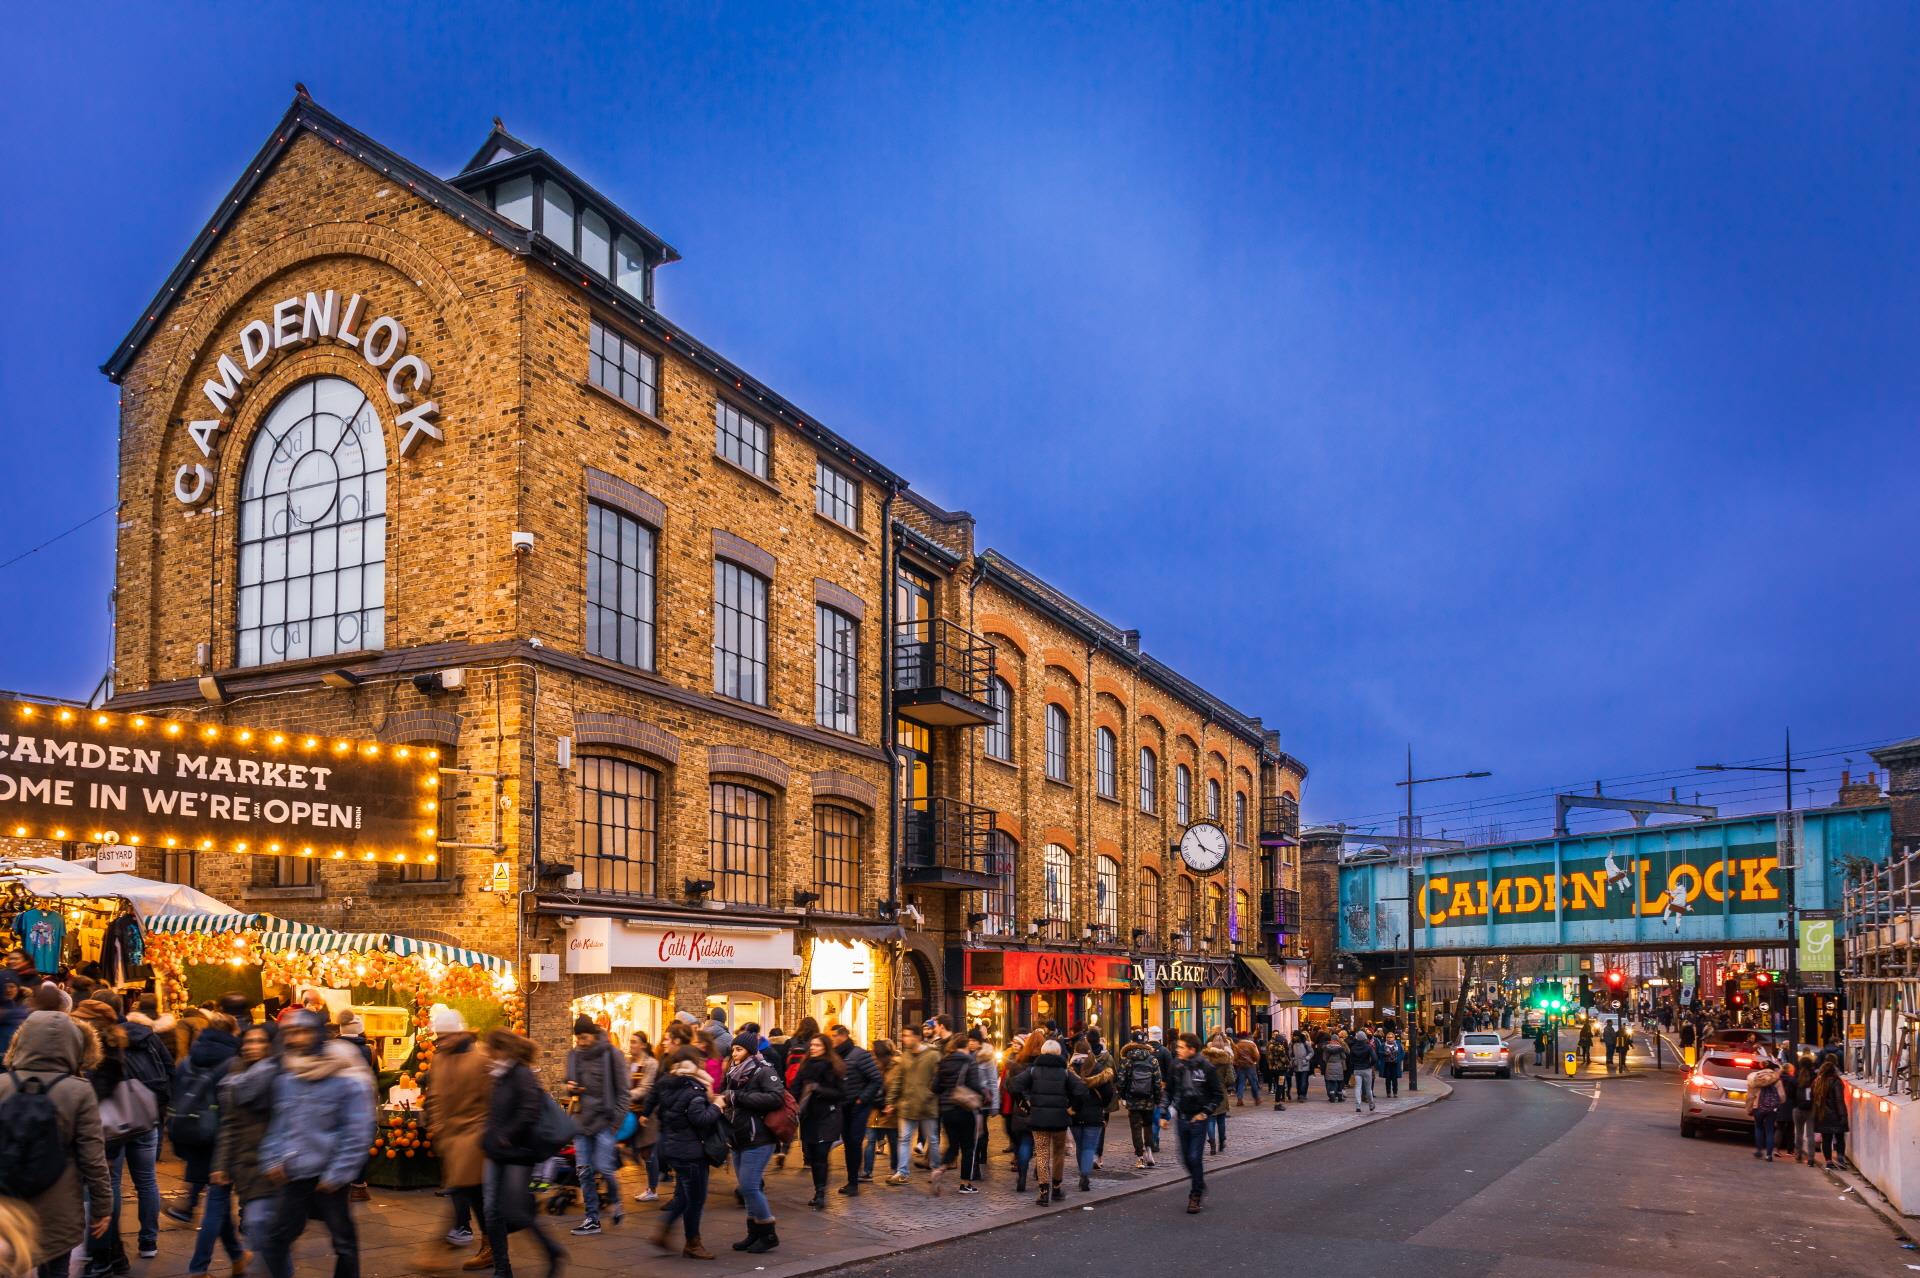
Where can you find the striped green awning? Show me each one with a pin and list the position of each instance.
(285, 934)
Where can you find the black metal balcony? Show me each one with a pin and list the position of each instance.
(940, 674)
(944, 845)
(1279, 822)
(1279, 911)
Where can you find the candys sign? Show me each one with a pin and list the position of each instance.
(89, 776)
(1043, 970)
(302, 320)
(1740, 879)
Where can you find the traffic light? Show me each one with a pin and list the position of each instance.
(1410, 1005)
(1736, 998)
(1586, 991)
(1616, 980)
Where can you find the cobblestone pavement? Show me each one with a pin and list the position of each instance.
(401, 1232)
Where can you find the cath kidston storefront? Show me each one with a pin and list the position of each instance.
(636, 973)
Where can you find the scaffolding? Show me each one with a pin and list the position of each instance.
(1880, 913)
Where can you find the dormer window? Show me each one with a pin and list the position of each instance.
(513, 200)
(542, 204)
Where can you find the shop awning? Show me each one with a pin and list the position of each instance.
(285, 934)
(1313, 999)
(77, 880)
(1263, 974)
(871, 933)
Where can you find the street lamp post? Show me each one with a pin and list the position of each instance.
(1793, 936)
(1411, 1003)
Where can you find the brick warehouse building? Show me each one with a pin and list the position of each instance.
(720, 697)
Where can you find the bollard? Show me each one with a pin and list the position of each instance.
(1572, 1063)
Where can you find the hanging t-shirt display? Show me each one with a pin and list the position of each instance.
(42, 933)
(123, 950)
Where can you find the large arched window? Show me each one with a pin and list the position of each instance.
(1183, 919)
(1106, 897)
(1240, 925)
(1058, 885)
(1182, 795)
(1213, 799)
(1150, 904)
(1106, 763)
(312, 576)
(999, 738)
(1149, 781)
(1058, 750)
(1216, 920)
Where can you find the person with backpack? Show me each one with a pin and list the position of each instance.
(597, 1078)
(959, 1099)
(237, 1191)
(1765, 1095)
(316, 1142)
(194, 1126)
(128, 1110)
(1193, 1093)
(683, 1102)
(759, 1117)
(1142, 1088)
(865, 1089)
(52, 1153)
(147, 1061)
(513, 1141)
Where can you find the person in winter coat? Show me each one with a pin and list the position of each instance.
(911, 1100)
(957, 1094)
(1302, 1054)
(794, 1048)
(316, 1142)
(1220, 1056)
(513, 1113)
(14, 1007)
(683, 1103)
(819, 1084)
(1391, 1057)
(865, 1092)
(1050, 1092)
(106, 1072)
(1361, 1062)
(880, 1127)
(195, 1125)
(1246, 1069)
(597, 1079)
(751, 1092)
(1331, 1059)
(987, 1069)
(716, 1025)
(1088, 1119)
(146, 1058)
(1276, 1064)
(47, 1054)
(1194, 1092)
(1801, 1094)
(246, 1106)
(1142, 1089)
(458, 1089)
(643, 1067)
(1830, 1113)
(1766, 1094)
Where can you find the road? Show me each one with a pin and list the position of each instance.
(1520, 1177)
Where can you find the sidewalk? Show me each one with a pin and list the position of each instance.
(400, 1231)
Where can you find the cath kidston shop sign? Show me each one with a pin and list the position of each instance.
(692, 943)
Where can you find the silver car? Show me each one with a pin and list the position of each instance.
(1482, 1054)
(1715, 1093)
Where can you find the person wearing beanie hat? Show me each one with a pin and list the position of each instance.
(316, 1141)
(598, 1076)
(458, 1091)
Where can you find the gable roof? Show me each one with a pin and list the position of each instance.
(307, 116)
(491, 151)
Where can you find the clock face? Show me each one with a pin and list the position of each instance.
(1204, 847)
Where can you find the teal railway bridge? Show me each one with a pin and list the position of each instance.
(1706, 885)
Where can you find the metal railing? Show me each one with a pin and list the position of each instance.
(1280, 819)
(1279, 910)
(947, 834)
(1880, 921)
(936, 655)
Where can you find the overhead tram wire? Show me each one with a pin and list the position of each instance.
(60, 536)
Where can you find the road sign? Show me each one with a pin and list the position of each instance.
(1571, 1064)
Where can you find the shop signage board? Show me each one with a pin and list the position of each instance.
(694, 944)
(116, 858)
(1179, 971)
(1149, 976)
(589, 946)
(840, 965)
(1044, 970)
(1816, 951)
(89, 776)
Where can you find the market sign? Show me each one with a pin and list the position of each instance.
(295, 322)
(88, 776)
(1738, 879)
(1044, 970)
(691, 944)
(1179, 971)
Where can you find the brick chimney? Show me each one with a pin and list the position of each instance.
(1860, 794)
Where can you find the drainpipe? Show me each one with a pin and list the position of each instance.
(888, 745)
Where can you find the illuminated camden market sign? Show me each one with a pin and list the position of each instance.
(74, 775)
(299, 321)
(1739, 879)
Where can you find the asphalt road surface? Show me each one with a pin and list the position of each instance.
(1520, 1177)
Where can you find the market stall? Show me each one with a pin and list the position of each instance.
(68, 916)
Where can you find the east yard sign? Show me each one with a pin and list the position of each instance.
(1676, 886)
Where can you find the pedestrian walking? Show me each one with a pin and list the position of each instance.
(194, 1127)
(238, 1187)
(910, 1097)
(958, 1098)
(508, 1140)
(1802, 1101)
(642, 1068)
(1276, 1066)
(1830, 1113)
(1391, 1058)
(1014, 1109)
(986, 1069)
(1302, 1054)
(53, 1157)
(1362, 1060)
(1192, 1095)
(597, 1079)
(1332, 1062)
(683, 1103)
(1087, 1116)
(863, 1090)
(316, 1143)
(1585, 1043)
(880, 1124)
(1542, 1044)
(146, 1061)
(1049, 1090)
(458, 1089)
(819, 1086)
(1246, 1069)
(1142, 1088)
(753, 1094)
(1219, 1055)
(1783, 1115)
(1765, 1097)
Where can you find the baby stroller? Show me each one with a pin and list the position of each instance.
(558, 1179)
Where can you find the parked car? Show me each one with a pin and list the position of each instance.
(1480, 1053)
(1715, 1094)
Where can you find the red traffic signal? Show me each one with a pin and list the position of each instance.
(1763, 978)
(1615, 979)
(1736, 998)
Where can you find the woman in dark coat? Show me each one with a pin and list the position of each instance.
(513, 1111)
(195, 1123)
(818, 1085)
(753, 1091)
(1830, 1113)
(1049, 1091)
(958, 1068)
(682, 1103)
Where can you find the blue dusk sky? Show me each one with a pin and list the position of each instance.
(1531, 384)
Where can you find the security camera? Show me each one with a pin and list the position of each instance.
(522, 543)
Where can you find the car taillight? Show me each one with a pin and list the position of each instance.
(1745, 1060)
(1699, 1082)
(1459, 1051)
(1504, 1052)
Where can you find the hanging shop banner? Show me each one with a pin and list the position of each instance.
(74, 775)
(1044, 970)
(1742, 878)
(661, 943)
(1816, 952)
(840, 965)
(590, 946)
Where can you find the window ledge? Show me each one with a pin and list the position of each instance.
(998, 762)
(1114, 799)
(418, 887)
(1064, 785)
(312, 892)
(602, 393)
(841, 528)
(842, 734)
(738, 469)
